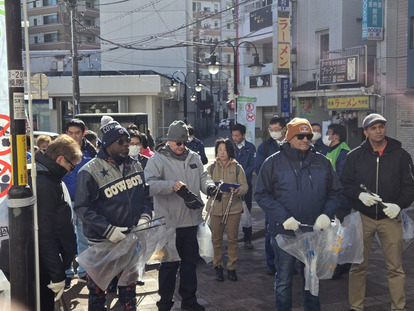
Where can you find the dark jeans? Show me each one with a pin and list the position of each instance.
(285, 265)
(187, 248)
(270, 254)
(248, 197)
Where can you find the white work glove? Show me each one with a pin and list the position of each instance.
(322, 222)
(57, 288)
(117, 234)
(392, 210)
(291, 224)
(369, 199)
(144, 221)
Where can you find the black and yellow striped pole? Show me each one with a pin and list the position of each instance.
(20, 197)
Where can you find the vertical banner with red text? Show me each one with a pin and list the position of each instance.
(5, 160)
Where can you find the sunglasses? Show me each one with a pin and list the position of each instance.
(181, 143)
(122, 140)
(72, 166)
(302, 136)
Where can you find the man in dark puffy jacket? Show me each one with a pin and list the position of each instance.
(111, 198)
(57, 241)
(386, 170)
(296, 186)
(196, 145)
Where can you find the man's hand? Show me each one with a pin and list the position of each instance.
(392, 210)
(117, 235)
(291, 224)
(144, 221)
(177, 185)
(369, 199)
(57, 288)
(191, 200)
(322, 222)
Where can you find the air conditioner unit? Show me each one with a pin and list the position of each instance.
(54, 65)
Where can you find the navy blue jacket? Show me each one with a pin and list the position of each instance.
(198, 147)
(88, 153)
(292, 185)
(265, 149)
(246, 158)
(107, 196)
(321, 147)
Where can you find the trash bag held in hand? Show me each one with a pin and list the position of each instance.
(408, 226)
(350, 241)
(246, 217)
(191, 200)
(204, 242)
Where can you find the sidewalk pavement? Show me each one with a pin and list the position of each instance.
(254, 289)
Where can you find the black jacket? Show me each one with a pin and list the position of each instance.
(57, 241)
(389, 175)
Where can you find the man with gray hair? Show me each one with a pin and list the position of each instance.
(176, 175)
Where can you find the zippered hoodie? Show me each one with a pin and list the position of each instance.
(291, 184)
(389, 175)
(162, 171)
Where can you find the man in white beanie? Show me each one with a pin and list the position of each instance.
(111, 198)
(176, 175)
(386, 170)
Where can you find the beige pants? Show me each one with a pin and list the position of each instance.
(232, 230)
(390, 235)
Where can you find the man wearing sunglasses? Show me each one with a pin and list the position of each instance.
(111, 198)
(176, 176)
(296, 186)
(57, 241)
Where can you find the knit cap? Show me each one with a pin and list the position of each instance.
(297, 126)
(177, 131)
(371, 119)
(111, 131)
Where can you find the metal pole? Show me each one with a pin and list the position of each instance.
(75, 68)
(235, 90)
(185, 99)
(20, 196)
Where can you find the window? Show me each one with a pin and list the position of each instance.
(49, 2)
(228, 25)
(215, 7)
(50, 19)
(215, 24)
(322, 45)
(268, 52)
(51, 37)
(412, 32)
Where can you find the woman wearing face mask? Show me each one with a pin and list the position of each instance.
(135, 148)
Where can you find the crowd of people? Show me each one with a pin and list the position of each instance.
(103, 188)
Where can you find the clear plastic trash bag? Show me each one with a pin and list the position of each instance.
(105, 260)
(351, 240)
(319, 250)
(408, 226)
(205, 243)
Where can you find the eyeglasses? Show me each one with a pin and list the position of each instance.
(72, 166)
(179, 143)
(122, 140)
(302, 136)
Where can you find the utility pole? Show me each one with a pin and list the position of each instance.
(20, 197)
(75, 68)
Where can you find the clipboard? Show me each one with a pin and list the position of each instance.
(225, 187)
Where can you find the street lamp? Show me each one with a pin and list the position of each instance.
(197, 87)
(214, 66)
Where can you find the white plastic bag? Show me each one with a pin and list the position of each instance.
(408, 226)
(246, 217)
(205, 243)
(350, 240)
